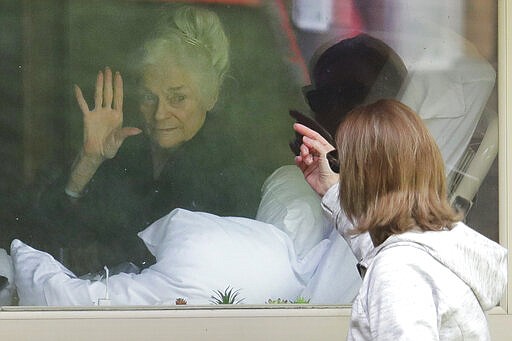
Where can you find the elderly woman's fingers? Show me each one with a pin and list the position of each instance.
(107, 89)
(98, 94)
(80, 99)
(118, 92)
(121, 134)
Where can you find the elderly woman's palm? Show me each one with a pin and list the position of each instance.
(103, 126)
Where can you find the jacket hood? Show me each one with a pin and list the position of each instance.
(478, 261)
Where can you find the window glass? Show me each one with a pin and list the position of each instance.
(148, 145)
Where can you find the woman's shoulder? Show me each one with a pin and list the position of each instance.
(404, 261)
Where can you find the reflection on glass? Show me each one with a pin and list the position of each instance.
(204, 127)
(450, 81)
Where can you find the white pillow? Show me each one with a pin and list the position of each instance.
(204, 252)
(196, 253)
(289, 203)
(336, 280)
(37, 274)
(6, 270)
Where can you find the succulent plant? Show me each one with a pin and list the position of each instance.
(228, 296)
(301, 300)
(277, 301)
(181, 301)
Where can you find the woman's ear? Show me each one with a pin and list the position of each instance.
(212, 100)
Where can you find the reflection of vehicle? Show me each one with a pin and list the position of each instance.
(474, 165)
(449, 84)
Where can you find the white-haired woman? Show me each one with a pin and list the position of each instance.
(181, 73)
(119, 183)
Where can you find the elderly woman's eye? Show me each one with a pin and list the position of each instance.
(148, 99)
(176, 99)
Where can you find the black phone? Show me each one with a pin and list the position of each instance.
(332, 156)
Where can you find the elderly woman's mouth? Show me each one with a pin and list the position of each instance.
(164, 130)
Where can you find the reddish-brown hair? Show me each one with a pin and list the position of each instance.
(392, 176)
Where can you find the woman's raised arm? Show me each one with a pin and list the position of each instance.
(103, 129)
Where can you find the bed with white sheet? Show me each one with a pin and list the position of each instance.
(291, 251)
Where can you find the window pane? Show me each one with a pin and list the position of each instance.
(164, 117)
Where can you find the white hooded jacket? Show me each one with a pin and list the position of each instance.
(432, 285)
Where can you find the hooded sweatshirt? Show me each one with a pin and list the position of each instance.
(419, 285)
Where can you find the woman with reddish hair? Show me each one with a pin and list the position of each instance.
(426, 275)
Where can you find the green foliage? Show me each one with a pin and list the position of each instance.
(298, 300)
(228, 296)
(301, 300)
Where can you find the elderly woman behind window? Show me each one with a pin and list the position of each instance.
(119, 184)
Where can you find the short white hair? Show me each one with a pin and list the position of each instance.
(195, 39)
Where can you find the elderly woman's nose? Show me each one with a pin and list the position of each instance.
(162, 110)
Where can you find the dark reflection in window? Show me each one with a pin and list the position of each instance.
(445, 51)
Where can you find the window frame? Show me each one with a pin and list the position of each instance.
(266, 322)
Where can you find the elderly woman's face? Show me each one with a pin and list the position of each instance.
(171, 105)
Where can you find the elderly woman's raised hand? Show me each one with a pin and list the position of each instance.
(103, 126)
(312, 159)
(103, 130)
